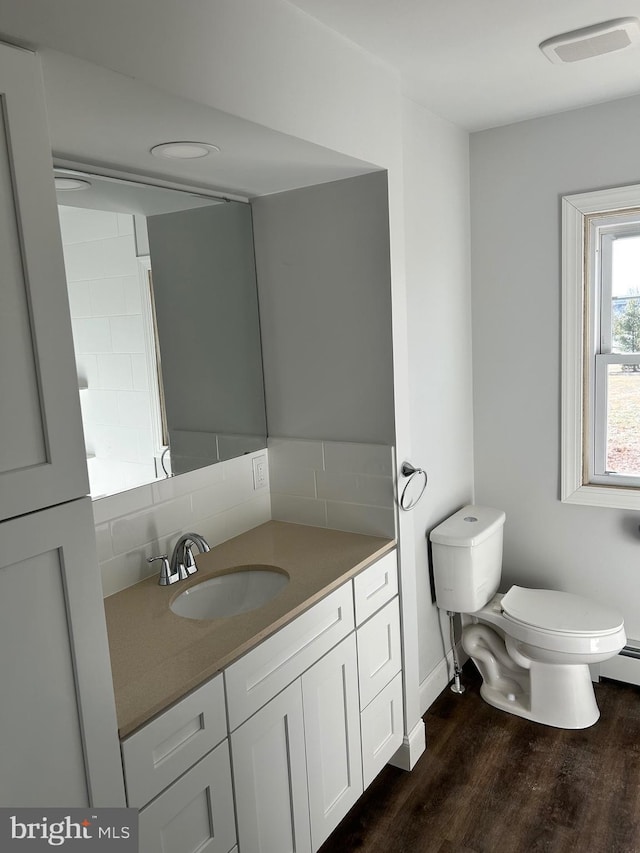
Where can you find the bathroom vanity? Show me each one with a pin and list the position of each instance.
(289, 711)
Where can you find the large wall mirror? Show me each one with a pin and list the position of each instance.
(164, 307)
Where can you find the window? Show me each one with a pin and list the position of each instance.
(601, 348)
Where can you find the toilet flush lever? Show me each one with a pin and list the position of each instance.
(408, 470)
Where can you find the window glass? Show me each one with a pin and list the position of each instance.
(625, 295)
(623, 418)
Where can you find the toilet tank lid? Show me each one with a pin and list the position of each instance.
(471, 525)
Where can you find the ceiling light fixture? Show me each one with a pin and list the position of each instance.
(184, 150)
(592, 41)
(65, 184)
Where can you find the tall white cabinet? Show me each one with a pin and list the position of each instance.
(59, 742)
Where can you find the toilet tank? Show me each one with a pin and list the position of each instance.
(467, 558)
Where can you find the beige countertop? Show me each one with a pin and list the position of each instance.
(158, 657)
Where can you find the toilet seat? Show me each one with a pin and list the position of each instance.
(560, 612)
(560, 621)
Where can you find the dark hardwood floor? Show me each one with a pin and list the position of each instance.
(490, 782)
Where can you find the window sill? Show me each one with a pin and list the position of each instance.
(615, 497)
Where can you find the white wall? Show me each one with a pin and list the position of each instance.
(436, 192)
(519, 174)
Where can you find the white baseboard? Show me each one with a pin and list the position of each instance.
(624, 666)
(439, 678)
(413, 745)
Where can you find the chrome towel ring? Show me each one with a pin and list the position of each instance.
(408, 470)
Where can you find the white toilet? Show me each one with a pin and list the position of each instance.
(532, 647)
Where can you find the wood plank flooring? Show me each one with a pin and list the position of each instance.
(490, 782)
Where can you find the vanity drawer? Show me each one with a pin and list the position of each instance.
(155, 755)
(382, 729)
(256, 678)
(379, 651)
(196, 814)
(375, 586)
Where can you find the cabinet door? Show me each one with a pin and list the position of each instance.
(42, 454)
(270, 777)
(59, 744)
(332, 735)
(382, 732)
(194, 815)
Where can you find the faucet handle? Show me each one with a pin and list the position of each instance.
(189, 561)
(166, 576)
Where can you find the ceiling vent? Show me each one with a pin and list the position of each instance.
(592, 41)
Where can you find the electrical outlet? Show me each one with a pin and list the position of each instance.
(259, 472)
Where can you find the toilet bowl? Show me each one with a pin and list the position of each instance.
(532, 647)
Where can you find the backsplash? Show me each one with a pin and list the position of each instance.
(191, 449)
(341, 485)
(218, 502)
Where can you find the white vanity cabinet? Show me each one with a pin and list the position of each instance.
(290, 733)
(379, 664)
(296, 762)
(178, 774)
(300, 761)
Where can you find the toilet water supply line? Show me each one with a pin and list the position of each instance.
(456, 687)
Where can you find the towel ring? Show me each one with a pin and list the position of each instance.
(409, 471)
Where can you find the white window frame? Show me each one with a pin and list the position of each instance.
(583, 375)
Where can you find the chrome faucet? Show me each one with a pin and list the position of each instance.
(182, 562)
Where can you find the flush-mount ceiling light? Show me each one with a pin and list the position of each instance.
(592, 41)
(184, 150)
(64, 183)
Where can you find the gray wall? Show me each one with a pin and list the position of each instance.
(322, 257)
(207, 313)
(519, 174)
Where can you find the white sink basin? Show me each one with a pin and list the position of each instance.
(244, 589)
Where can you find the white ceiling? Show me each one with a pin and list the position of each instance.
(477, 62)
(112, 121)
(111, 118)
